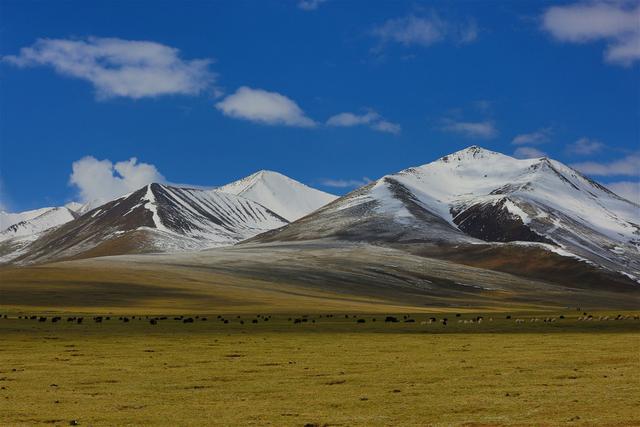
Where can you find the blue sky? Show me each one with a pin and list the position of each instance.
(331, 93)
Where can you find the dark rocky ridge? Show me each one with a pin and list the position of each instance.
(494, 223)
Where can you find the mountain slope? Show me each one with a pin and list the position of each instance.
(156, 218)
(281, 194)
(476, 196)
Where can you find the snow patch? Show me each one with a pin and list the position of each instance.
(151, 205)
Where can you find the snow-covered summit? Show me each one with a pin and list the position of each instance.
(20, 229)
(8, 219)
(476, 175)
(31, 223)
(470, 153)
(285, 196)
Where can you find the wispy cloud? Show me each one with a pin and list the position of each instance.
(528, 153)
(351, 119)
(615, 22)
(476, 130)
(119, 68)
(630, 190)
(627, 166)
(386, 126)
(483, 105)
(585, 147)
(102, 180)
(370, 118)
(345, 183)
(270, 108)
(309, 5)
(424, 31)
(538, 137)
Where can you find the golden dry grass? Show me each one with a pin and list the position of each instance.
(331, 372)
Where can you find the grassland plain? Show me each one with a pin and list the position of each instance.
(346, 369)
(335, 370)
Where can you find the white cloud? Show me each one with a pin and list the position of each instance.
(466, 33)
(119, 68)
(481, 130)
(101, 180)
(346, 183)
(370, 118)
(310, 4)
(585, 147)
(630, 190)
(627, 166)
(260, 106)
(528, 153)
(424, 31)
(615, 22)
(538, 137)
(351, 119)
(386, 126)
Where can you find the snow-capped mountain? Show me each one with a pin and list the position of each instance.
(8, 219)
(160, 218)
(31, 223)
(287, 197)
(476, 196)
(536, 217)
(156, 218)
(18, 230)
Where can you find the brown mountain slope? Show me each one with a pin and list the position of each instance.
(289, 278)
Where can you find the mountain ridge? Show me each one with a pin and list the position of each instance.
(475, 206)
(156, 218)
(280, 190)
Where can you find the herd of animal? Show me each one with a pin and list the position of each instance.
(155, 320)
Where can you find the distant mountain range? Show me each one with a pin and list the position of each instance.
(159, 218)
(534, 217)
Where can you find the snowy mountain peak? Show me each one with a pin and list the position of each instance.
(8, 219)
(32, 223)
(285, 196)
(261, 176)
(473, 152)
